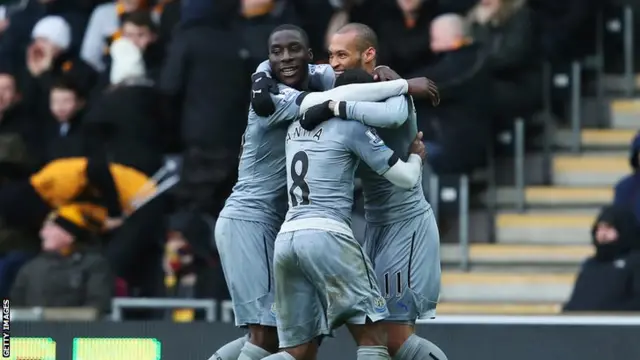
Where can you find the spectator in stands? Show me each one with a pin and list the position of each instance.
(14, 119)
(404, 35)
(20, 17)
(64, 136)
(126, 119)
(47, 59)
(504, 30)
(610, 280)
(138, 26)
(17, 245)
(191, 266)
(205, 77)
(458, 130)
(125, 123)
(627, 190)
(103, 28)
(69, 272)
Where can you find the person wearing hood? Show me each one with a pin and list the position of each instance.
(627, 190)
(48, 58)
(206, 81)
(610, 280)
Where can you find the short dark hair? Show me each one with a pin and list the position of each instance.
(354, 76)
(69, 84)
(283, 27)
(140, 18)
(366, 36)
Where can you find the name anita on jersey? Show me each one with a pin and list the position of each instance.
(299, 132)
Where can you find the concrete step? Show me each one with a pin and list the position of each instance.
(474, 308)
(545, 227)
(625, 114)
(597, 138)
(518, 254)
(590, 169)
(556, 196)
(506, 288)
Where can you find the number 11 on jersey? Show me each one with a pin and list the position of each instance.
(298, 179)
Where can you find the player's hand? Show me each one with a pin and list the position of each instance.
(262, 86)
(417, 146)
(384, 73)
(316, 115)
(423, 87)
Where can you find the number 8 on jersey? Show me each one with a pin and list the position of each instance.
(299, 168)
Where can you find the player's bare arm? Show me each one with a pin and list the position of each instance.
(385, 73)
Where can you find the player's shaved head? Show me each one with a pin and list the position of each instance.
(353, 46)
(365, 35)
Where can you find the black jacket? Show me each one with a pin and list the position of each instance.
(53, 280)
(128, 124)
(69, 144)
(462, 121)
(208, 81)
(610, 280)
(17, 120)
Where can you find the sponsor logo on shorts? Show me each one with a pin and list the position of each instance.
(273, 310)
(403, 306)
(380, 305)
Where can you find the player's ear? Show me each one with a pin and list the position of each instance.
(310, 54)
(369, 54)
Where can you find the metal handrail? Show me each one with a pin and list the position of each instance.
(117, 304)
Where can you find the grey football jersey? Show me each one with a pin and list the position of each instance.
(321, 166)
(260, 193)
(384, 202)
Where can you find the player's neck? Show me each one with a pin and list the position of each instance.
(304, 84)
(369, 67)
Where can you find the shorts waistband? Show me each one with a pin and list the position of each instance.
(316, 224)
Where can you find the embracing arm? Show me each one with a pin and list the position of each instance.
(357, 92)
(405, 174)
(391, 113)
(369, 147)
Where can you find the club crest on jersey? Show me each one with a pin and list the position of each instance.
(287, 93)
(273, 310)
(380, 305)
(317, 69)
(375, 140)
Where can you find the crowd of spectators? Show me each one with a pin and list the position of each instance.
(143, 79)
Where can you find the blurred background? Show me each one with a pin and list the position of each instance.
(534, 149)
